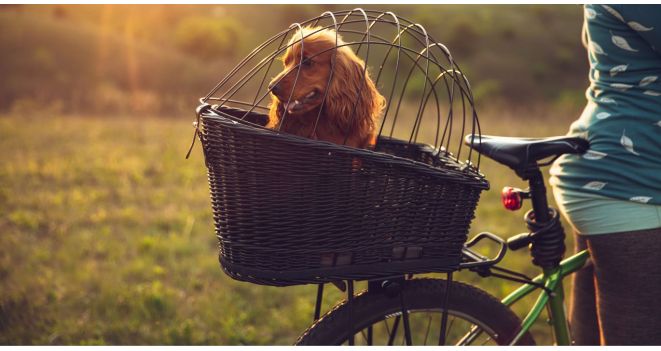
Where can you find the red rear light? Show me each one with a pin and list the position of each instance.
(511, 198)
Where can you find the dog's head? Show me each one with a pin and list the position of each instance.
(318, 63)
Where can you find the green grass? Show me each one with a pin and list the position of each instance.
(107, 237)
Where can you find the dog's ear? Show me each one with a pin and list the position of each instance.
(351, 86)
(275, 112)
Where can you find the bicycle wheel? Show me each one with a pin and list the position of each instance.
(474, 318)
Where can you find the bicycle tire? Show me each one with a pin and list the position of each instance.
(369, 308)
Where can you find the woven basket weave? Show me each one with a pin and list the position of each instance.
(290, 210)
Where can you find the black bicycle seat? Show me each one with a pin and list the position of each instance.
(520, 153)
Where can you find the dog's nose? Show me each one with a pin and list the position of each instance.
(274, 88)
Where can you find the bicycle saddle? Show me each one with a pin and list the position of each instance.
(520, 153)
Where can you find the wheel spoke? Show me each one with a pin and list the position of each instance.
(362, 332)
(428, 328)
(450, 326)
(473, 334)
(391, 337)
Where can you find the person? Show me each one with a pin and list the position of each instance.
(611, 195)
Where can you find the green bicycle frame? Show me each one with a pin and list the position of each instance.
(552, 281)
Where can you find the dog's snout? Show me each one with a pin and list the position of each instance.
(274, 88)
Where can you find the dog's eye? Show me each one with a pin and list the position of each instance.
(307, 62)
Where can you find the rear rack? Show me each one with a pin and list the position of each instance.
(472, 259)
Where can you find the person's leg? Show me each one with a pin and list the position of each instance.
(628, 284)
(624, 239)
(583, 320)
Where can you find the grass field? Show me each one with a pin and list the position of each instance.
(107, 236)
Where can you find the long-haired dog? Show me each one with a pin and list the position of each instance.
(342, 111)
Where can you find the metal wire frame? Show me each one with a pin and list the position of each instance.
(411, 42)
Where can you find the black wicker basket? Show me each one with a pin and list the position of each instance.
(291, 210)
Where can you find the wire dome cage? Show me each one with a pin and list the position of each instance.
(298, 209)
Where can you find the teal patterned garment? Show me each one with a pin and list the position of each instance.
(622, 119)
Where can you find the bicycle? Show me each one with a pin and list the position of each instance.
(290, 210)
(398, 298)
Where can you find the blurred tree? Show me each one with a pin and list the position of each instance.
(464, 38)
(207, 38)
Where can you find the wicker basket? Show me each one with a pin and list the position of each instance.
(290, 210)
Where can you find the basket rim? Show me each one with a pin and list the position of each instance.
(216, 113)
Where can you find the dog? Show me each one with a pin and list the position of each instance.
(344, 111)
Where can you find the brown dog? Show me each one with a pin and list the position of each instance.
(339, 122)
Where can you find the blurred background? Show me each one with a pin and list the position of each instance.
(107, 234)
(157, 59)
